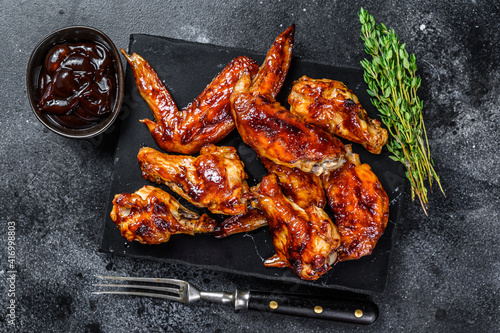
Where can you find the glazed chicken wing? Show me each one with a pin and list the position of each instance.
(360, 207)
(206, 120)
(215, 179)
(270, 129)
(305, 239)
(303, 188)
(151, 216)
(333, 107)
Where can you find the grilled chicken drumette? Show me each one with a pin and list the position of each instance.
(359, 204)
(151, 216)
(215, 179)
(206, 120)
(333, 107)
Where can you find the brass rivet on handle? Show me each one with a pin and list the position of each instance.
(318, 309)
(358, 313)
(273, 305)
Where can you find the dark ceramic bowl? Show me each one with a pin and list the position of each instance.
(70, 34)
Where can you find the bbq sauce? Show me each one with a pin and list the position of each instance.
(77, 84)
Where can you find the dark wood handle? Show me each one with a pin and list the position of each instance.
(341, 309)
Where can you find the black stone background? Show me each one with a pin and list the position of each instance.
(444, 274)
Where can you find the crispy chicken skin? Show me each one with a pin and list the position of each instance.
(151, 216)
(205, 120)
(360, 207)
(305, 239)
(333, 107)
(303, 188)
(270, 129)
(215, 179)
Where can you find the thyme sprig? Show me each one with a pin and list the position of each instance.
(392, 84)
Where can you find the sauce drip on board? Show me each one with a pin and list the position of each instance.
(77, 84)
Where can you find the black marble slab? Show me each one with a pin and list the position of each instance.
(186, 68)
(444, 273)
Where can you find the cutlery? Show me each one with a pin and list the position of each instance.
(323, 307)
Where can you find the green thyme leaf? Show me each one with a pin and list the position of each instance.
(392, 86)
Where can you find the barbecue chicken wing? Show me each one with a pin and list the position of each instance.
(151, 216)
(360, 207)
(206, 120)
(215, 179)
(270, 129)
(305, 239)
(333, 107)
(303, 188)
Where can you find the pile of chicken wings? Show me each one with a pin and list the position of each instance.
(308, 166)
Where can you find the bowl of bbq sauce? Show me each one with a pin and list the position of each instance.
(75, 82)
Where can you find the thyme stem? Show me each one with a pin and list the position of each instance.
(392, 84)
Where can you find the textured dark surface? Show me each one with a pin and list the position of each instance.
(445, 269)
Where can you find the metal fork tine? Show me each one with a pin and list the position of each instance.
(177, 293)
(138, 286)
(179, 283)
(137, 293)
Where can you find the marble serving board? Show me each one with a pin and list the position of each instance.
(186, 68)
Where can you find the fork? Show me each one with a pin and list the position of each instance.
(341, 309)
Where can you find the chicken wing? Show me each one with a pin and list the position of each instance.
(303, 188)
(206, 120)
(360, 207)
(270, 129)
(151, 216)
(333, 107)
(305, 239)
(215, 179)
